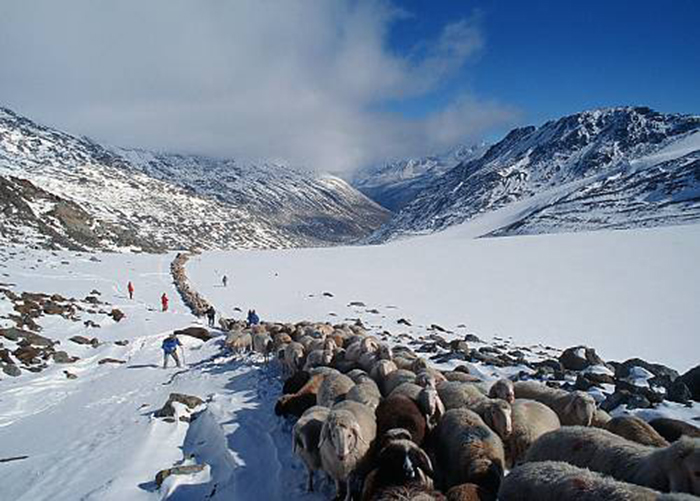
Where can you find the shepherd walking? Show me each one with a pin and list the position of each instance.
(169, 346)
(130, 288)
(164, 301)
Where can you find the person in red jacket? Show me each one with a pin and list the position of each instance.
(130, 288)
(164, 301)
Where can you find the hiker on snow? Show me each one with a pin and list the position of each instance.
(211, 315)
(253, 318)
(130, 288)
(164, 301)
(169, 346)
(224, 280)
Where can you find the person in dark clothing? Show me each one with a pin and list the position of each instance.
(224, 280)
(253, 318)
(211, 316)
(169, 346)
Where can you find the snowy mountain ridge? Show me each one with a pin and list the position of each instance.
(395, 184)
(68, 192)
(604, 166)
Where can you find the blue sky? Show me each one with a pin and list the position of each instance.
(337, 85)
(549, 58)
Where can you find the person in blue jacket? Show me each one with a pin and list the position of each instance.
(253, 318)
(169, 346)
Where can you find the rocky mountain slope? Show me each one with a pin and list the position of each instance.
(68, 192)
(609, 168)
(395, 184)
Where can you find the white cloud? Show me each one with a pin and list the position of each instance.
(294, 80)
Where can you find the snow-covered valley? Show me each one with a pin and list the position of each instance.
(94, 437)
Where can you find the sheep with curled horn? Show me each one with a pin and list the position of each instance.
(400, 463)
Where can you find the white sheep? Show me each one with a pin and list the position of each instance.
(318, 358)
(293, 357)
(306, 436)
(345, 439)
(556, 481)
(531, 420)
(674, 468)
(573, 408)
(455, 395)
(366, 393)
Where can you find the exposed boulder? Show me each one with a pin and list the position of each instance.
(109, 360)
(178, 470)
(578, 358)
(196, 332)
(117, 314)
(692, 381)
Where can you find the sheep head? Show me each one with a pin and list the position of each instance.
(581, 406)
(501, 417)
(503, 389)
(684, 470)
(385, 352)
(344, 434)
(403, 461)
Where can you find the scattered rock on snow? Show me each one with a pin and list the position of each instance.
(109, 360)
(692, 381)
(117, 314)
(579, 358)
(196, 332)
(11, 369)
(178, 470)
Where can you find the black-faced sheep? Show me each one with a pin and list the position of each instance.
(556, 481)
(635, 429)
(467, 451)
(401, 412)
(674, 468)
(345, 440)
(306, 436)
(333, 389)
(295, 382)
(400, 463)
(531, 420)
(673, 429)
(573, 408)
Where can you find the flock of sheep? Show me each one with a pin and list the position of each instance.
(192, 299)
(384, 425)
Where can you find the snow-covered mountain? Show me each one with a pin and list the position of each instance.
(609, 168)
(59, 190)
(396, 184)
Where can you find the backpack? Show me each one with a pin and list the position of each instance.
(169, 345)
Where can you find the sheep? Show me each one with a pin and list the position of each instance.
(401, 412)
(295, 382)
(469, 492)
(410, 390)
(556, 481)
(675, 468)
(429, 402)
(293, 357)
(279, 340)
(381, 370)
(318, 358)
(467, 451)
(333, 389)
(239, 342)
(345, 440)
(395, 379)
(306, 435)
(296, 403)
(531, 420)
(461, 377)
(503, 389)
(403, 361)
(600, 417)
(366, 393)
(262, 343)
(455, 395)
(635, 429)
(358, 375)
(496, 413)
(673, 429)
(400, 463)
(573, 408)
